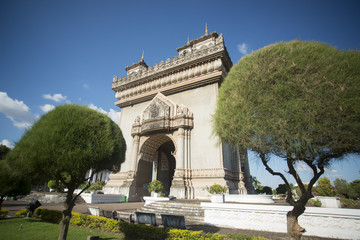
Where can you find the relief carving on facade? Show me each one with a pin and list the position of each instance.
(162, 114)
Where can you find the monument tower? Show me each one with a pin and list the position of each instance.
(166, 120)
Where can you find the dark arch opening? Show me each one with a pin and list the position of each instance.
(156, 158)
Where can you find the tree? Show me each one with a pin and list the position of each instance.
(295, 100)
(355, 187)
(256, 184)
(267, 190)
(343, 188)
(281, 189)
(3, 151)
(324, 188)
(64, 144)
(12, 183)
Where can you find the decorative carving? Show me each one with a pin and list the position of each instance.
(162, 114)
(193, 54)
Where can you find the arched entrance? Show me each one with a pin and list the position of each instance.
(156, 161)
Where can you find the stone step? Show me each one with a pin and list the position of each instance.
(193, 212)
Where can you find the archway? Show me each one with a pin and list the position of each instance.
(156, 161)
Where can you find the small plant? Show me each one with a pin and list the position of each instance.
(97, 186)
(21, 213)
(315, 202)
(3, 213)
(57, 185)
(349, 203)
(155, 186)
(216, 189)
(52, 184)
(53, 216)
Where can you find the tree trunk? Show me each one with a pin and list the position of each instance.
(1, 201)
(294, 229)
(65, 221)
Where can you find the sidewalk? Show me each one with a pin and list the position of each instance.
(14, 206)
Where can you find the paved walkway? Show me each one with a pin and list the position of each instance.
(14, 206)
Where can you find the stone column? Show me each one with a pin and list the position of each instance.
(134, 153)
(180, 150)
(178, 187)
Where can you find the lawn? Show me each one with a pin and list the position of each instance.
(33, 230)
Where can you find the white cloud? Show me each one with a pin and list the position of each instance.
(302, 167)
(332, 173)
(243, 48)
(58, 97)
(114, 115)
(17, 111)
(47, 107)
(85, 85)
(99, 109)
(6, 143)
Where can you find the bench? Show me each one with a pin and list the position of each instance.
(95, 211)
(174, 221)
(145, 218)
(123, 216)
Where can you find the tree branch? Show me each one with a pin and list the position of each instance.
(86, 187)
(296, 176)
(264, 160)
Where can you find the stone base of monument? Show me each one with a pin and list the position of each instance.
(149, 199)
(218, 198)
(249, 198)
(329, 202)
(102, 198)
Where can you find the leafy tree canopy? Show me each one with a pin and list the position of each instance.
(68, 141)
(324, 188)
(296, 98)
(3, 151)
(281, 189)
(64, 144)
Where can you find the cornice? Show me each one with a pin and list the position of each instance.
(210, 52)
(195, 41)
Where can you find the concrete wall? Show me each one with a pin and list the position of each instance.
(205, 147)
(322, 222)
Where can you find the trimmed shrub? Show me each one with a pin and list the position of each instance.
(132, 231)
(216, 189)
(21, 213)
(186, 234)
(52, 184)
(155, 186)
(315, 202)
(47, 215)
(3, 213)
(245, 237)
(140, 231)
(349, 203)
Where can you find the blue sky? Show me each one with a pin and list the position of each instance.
(57, 52)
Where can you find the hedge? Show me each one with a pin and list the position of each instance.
(21, 213)
(46, 215)
(3, 213)
(131, 231)
(140, 231)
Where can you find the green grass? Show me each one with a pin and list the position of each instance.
(34, 229)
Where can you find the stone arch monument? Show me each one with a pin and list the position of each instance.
(166, 120)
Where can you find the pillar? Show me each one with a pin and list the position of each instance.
(134, 153)
(180, 150)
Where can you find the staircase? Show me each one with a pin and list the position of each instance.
(193, 212)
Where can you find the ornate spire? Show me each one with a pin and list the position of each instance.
(142, 57)
(188, 40)
(206, 31)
